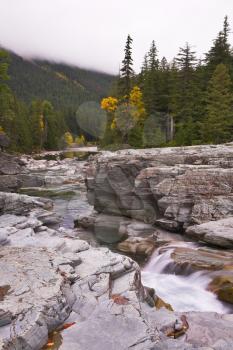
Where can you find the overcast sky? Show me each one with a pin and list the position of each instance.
(92, 33)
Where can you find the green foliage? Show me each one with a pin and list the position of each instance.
(64, 86)
(36, 123)
(184, 102)
(219, 112)
(127, 73)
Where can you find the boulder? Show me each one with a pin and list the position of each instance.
(223, 286)
(138, 246)
(201, 259)
(218, 233)
(18, 204)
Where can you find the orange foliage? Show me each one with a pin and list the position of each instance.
(109, 104)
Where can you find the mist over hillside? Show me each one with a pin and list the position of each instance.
(63, 85)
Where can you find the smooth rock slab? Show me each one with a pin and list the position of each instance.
(218, 233)
(18, 204)
(202, 259)
(37, 297)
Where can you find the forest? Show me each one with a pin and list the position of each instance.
(39, 100)
(187, 101)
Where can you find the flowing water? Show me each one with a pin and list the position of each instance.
(184, 293)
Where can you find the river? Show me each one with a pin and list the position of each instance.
(184, 290)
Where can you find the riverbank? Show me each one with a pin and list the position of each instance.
(99, 290)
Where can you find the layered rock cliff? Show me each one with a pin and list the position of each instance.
(170, 187)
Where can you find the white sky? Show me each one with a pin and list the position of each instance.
(92, 33)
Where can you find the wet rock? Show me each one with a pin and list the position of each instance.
(112, 229)
(137, 245)
(5, 318)
(160, 303)
(202, 259)
(223, 286)
(87, 222)
(218, 233)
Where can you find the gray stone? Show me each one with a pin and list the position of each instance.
(13, 203)
(218, 233)
(32, 278)
(172, 187)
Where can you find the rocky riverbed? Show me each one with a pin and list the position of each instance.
(63, 281)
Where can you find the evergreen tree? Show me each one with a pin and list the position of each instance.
(219, 111)
(37, 123)
(153, 61)
(185, 94)
(220, 52)
(144, 71)
(126, 72)
(151, 81)
(163, 86)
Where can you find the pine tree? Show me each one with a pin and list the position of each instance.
(219, 112)
(163, 86)
(37, 124)
(144, 71)
(186, 62)
(126, 72)
(151, 81)
(220, 52)
(153, 61)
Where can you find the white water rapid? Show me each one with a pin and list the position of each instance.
(184, 293)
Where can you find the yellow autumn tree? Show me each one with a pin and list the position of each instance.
(41, 123)
(68, 138)
(113, 124)
(80, 140)
(136, 101)
(109, 104)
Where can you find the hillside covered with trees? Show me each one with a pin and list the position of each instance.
(187, 101)
(61, 84)
(39, 100)
(183, 102)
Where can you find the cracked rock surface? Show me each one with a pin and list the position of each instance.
(48, 276)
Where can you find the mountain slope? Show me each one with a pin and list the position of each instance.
(63, 85)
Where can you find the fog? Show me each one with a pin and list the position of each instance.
(92, 34)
